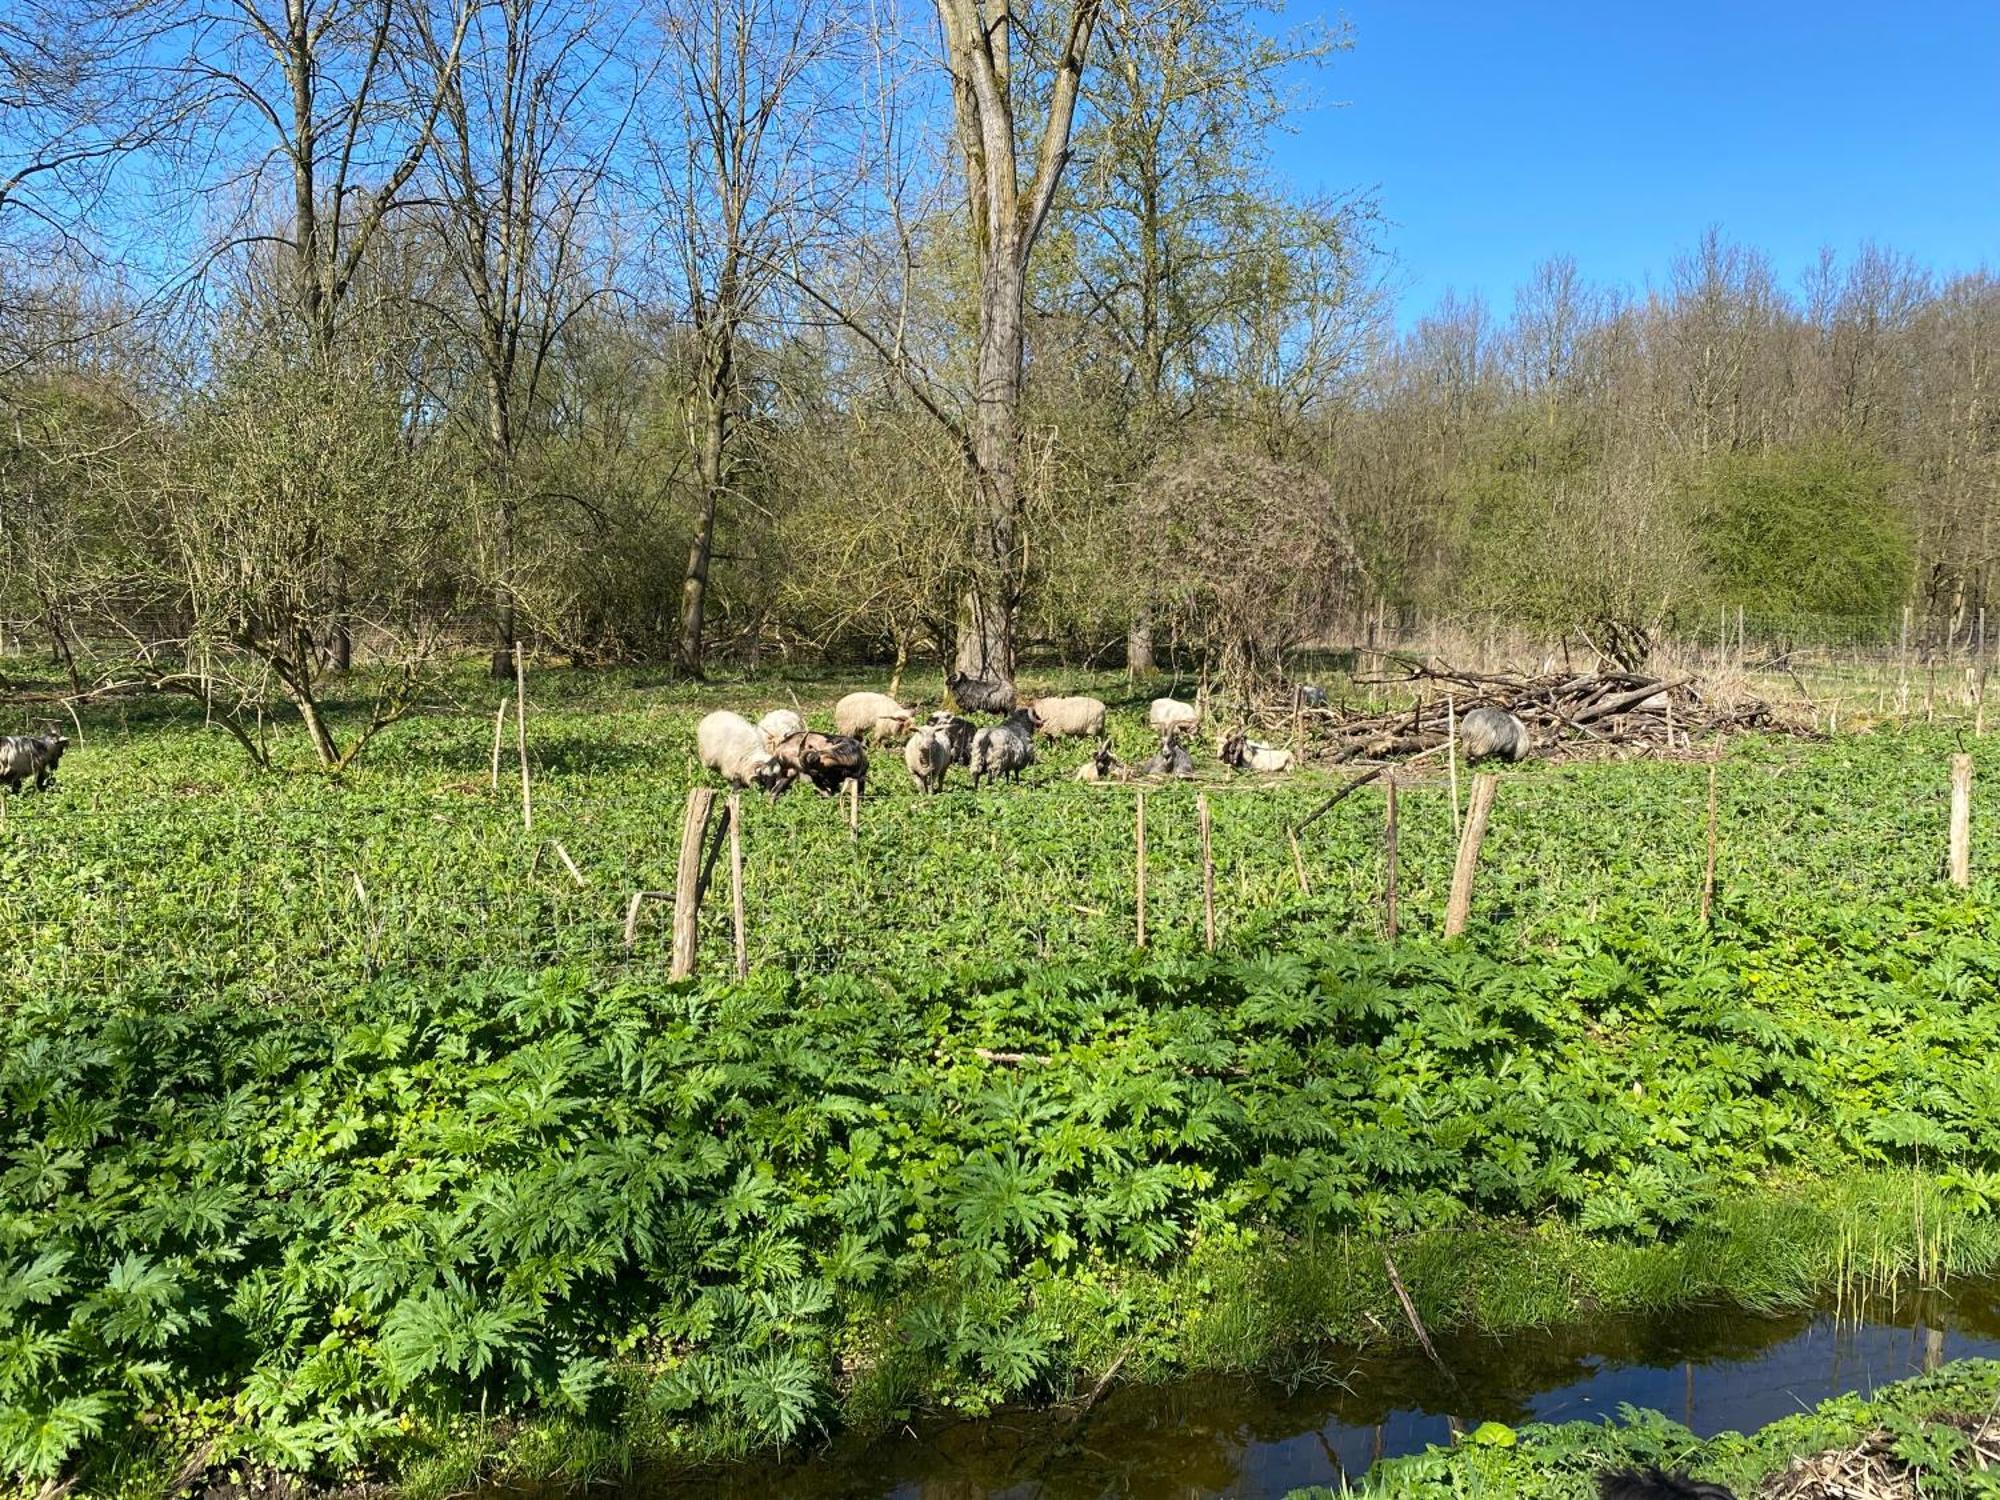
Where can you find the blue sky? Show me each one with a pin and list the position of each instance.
(1499, 134)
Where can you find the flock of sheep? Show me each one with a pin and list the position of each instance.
(780, 748)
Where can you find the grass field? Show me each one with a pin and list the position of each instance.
(166, 860)
(342, 1135)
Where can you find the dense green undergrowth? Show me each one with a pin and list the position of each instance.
(1918, 1427)
(321, 1240)
(339, 1133)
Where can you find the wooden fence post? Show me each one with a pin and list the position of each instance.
(1207, 875)
(499, 729)
(1708, 873)
(854, 809)
(1140, 866)
(1460, 909)
(687, 879)
(1961, 821)
(1389, 855)
(521, 736)
(1451, 755)
(736, 885)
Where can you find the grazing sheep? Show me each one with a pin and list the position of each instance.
(1487, 733)
(1004, 749)
(1312, 695)
(980, 695)
(928, 755)
(826, 760)
(36, 755)
(1170, 715)
(1102, 766)
(780, 724)
(1068, 718)
(1173, 759)
(958, 734)
(1244, 754)
(871, 716)
(734, 748)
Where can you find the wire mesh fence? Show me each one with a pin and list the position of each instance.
(271, 896)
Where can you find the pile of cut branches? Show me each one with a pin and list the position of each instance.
(1565, 710)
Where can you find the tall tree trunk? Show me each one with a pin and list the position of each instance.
(717, 398)
(694, 590)
(986, 644)
(507, 515)
(502, 667)
(1139, 644)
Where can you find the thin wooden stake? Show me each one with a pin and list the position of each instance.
(568, 863)
(499, 729)
(639, 899)
(1459, 912)
(1389, 856)
(1451, 752)
(1140, 867)
(1207, 874)
(687, 880)
(1298, 863)
(1708, 873)
(521, 737)
(854, 809)
(1961, 821)
(736, 885)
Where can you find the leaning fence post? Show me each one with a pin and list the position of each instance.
(1961, 821)
(1708, 872)
(687, 880)
(1460, 910)
(736, 885)
(1207, 875)
(1389, 856)
(1139, 828)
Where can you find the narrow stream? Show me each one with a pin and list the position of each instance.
(1712, 1368)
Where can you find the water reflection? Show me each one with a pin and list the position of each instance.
(1711, 1368)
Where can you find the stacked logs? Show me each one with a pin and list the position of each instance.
(1571, 710)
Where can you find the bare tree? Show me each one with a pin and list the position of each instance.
(534, 103)
(739, 168)
(326, 95)
(1005, 60)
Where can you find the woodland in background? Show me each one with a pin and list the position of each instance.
(377, 330)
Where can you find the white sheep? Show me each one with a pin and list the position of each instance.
(1244, 754)
(928, 755)
(780, 724)
(871, 716)
(1068, 718)
(1171, 716)
(734, 748)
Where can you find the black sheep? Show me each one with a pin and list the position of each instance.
(36, 755)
